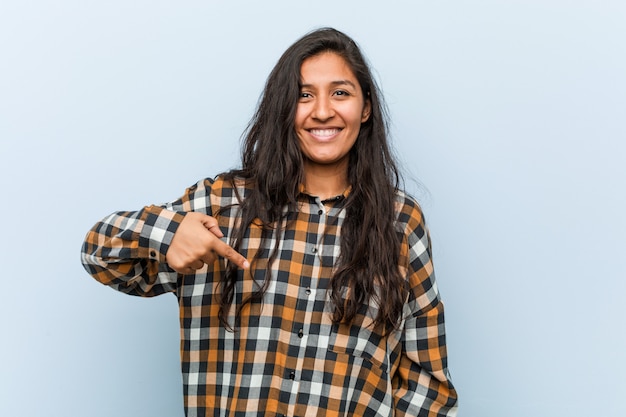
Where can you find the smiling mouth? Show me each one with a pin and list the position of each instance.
(324, 133)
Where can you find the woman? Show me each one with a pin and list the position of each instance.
(304, 278)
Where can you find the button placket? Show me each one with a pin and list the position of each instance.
(316, 216)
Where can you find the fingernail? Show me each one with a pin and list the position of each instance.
(246, 264)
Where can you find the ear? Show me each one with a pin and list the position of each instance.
(367, 110)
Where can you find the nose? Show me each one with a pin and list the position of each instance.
(323, 109)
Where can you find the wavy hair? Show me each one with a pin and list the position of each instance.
(272, 165)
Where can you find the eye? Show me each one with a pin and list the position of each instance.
(304, 95)
(341, 93)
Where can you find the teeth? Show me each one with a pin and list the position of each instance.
(324, 132)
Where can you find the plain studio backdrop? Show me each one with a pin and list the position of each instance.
(509, 119)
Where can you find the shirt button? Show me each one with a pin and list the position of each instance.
(300, 333)
(292, 375)
(153, 254)
(308, 290)
(314, 249)
(320, 212)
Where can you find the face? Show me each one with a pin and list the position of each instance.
(330, 111)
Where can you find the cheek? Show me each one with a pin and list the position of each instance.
(300, 117)
(354, 114)
(357, 119)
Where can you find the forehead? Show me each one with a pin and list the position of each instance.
(326, 67)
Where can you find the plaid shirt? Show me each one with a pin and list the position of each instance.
(286, 357)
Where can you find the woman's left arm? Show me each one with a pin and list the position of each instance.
(422, 385)
(421, 381)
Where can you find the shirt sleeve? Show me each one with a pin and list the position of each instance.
(126, 250)
(422, 385)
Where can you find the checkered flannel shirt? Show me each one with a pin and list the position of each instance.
(286, 357)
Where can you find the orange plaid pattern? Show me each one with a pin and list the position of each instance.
(286, 358)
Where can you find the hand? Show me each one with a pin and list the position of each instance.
(197, 242)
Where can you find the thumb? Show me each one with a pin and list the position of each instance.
(210, 223)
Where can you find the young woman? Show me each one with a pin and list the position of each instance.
(304, 278)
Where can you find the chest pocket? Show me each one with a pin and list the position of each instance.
(361, 339)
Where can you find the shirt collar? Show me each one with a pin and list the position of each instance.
(341, 196)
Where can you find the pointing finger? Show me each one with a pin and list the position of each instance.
(231, 254)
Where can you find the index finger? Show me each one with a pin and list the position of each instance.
(225, 251)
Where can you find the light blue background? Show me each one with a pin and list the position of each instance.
(509, 117)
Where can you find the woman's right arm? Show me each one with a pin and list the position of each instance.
(127, 251)
(142, 252)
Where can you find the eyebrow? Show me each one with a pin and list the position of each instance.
(334, 83)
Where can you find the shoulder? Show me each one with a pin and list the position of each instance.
(411, 225)
(228, 190)
(221, 187)
(210, 194)
(409, 215)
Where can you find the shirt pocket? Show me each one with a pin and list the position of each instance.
(361, 339)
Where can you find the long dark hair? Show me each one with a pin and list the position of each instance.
(367, 269)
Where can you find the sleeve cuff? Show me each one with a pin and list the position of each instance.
(158, 231)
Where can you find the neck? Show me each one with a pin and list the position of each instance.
(325, 183)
